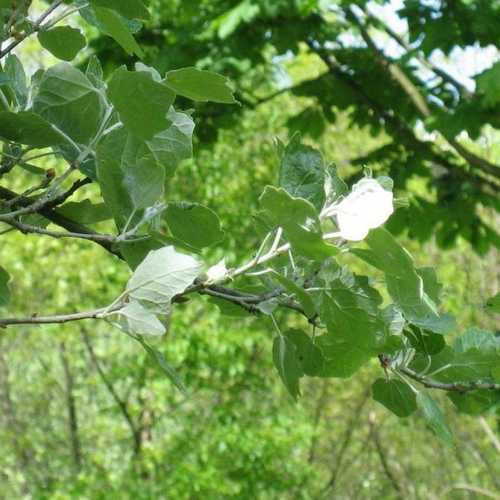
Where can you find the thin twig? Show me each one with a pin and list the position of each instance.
(57, 318)
(96, 237)
(451, 386)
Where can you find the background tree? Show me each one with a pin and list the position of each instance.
(384, 78)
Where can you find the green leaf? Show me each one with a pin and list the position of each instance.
(353, 334)
(475, 402)
(135, 318)
(194, 224)
(142, 103)
(493, 304)
(432, 286)
(434, 417)
(411, 293)
(67, 99)
(133, 9)
(302, 172)
(162, 275)
(471, 365)
(396, 396)
(129, 175)
(94, 72)
(394, 319)
(301, 295)
(287, 363)
(335, 187)
(17, 79)
(4, 287)
(85, 212)
(227, 23)
(115, 26)
(351, 317)
(229, 308)
(282, 209)
(63, 42)
(200, 85)
(475, 338)
(174, 144)
(343, 358)
(308, 355)
(162, 362)
(309, 243)
(135, 252)
(488, 83)
(299, 221)
(28, 128)
(425, 342)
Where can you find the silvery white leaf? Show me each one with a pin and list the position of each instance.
(366, 207)
(135, 318)
(163, 274)
(217, 272)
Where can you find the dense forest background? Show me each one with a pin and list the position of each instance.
(84, 411)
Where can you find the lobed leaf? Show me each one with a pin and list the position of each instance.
(302, 172)
(141, 102)
(64, 42)
(67, 99)
(200, 85)
(194, 224)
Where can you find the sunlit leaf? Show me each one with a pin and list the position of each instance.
(162, 275)
(200, 85)
(137, 319)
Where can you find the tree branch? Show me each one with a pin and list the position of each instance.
(55, 319)
(378, 23)
(383, 458)
(76, 447)
(114, 394)
(418, 100)
(405, 132)
(96, 237)
(35, 27)
(451, 386)
(59, 219)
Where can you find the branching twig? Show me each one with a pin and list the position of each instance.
(35, 27)
(58, 219)
(418, 100)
